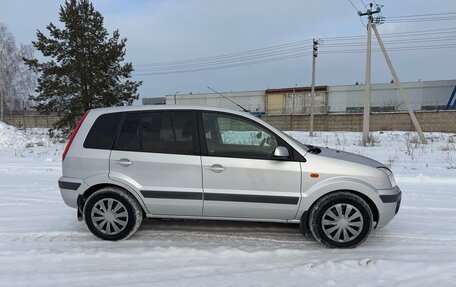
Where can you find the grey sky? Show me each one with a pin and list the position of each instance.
(159, 31)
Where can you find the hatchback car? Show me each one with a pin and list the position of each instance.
(122, 164)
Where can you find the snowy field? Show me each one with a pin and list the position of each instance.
(42, 243)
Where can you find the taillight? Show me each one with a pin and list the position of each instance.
(73, 134)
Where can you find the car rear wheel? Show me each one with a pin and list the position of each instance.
(341, 220)
(112, 214)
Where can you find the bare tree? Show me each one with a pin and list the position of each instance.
(26, 78)
(395, 103)
(7, 49)
(17, 81)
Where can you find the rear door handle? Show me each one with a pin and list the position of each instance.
(217, 168)
(124, 162)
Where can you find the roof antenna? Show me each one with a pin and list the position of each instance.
(245, 110)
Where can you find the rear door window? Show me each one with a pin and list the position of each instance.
(130, 134)
(168, 132)
(103, 131)
(158, 132)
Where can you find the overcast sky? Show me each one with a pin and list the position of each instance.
(161, 31)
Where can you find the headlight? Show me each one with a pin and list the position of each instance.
(390, 175)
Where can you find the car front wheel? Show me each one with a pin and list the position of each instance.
(340, 220)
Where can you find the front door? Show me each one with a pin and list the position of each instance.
(241, 178)
(155, 153)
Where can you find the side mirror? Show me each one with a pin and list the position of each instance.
(281, 152)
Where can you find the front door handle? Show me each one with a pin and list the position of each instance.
(124, 162)
(217, 168)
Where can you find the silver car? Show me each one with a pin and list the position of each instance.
(122, 164)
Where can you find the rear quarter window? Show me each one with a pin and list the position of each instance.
(103, 132)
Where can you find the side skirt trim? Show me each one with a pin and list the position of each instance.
(293, 221)
(220, 197)
(172, 194)
(251, 198)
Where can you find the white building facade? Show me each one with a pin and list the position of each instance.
(424, 95)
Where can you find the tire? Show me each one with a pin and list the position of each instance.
(340, 220)
(112, 214)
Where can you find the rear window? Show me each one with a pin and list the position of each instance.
(103, 131)
(158, 132)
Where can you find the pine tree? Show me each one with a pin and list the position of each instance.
(86, 69)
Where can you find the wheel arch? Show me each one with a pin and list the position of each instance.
(304, 220)
(92, 189)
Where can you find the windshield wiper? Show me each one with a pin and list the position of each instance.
(313, 149)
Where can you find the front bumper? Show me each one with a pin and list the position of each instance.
(391, 202)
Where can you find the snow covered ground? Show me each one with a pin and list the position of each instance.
(42, 243)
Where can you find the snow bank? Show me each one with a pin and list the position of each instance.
(11, 137)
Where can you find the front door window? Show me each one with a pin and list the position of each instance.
(231, 136)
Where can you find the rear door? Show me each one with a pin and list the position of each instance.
(241, 178)
(157, 153)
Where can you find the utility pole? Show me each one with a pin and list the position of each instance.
(399, 86)
(315, 44)
(367, 102)
(294, 98)
(367, 84)
(175, 97)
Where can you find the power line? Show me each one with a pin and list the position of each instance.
(362, 22)
(393, 42)
(222, 60)
(420, 20)
(327, 49)
(293, 46)
(294, 56)
(442, 38)
(356, 9)
(231, 55)
(422, 15)
(404, 48)
(225, 66)
(395, 34)
(430, 17)
(290, 49)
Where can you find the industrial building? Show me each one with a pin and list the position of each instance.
(424, 96)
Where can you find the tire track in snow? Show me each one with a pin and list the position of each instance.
(421, 208)
(258, 238)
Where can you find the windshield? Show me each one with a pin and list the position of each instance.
(305, 147)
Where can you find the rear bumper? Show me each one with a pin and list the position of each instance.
(391, 201)
(71, 190)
